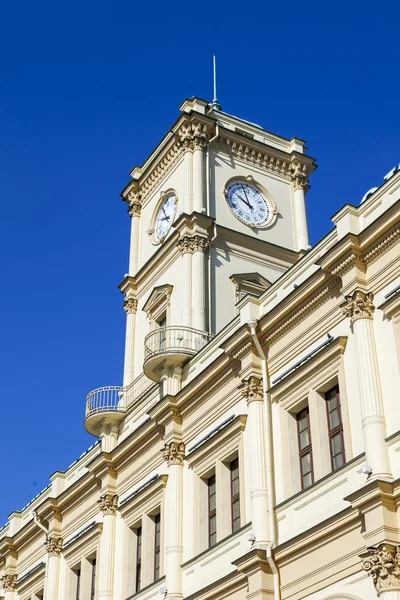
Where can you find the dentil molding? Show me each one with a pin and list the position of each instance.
(358, 305)
(382, 563)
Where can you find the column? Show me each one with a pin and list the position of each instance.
(130, 307)
(300, 186)
(185, 249)
(188, 193)
(200, 140)
(174, 454)
(382, 563)
(360, 308)
(134, 212)
(53, 546)
(252, 390)
(108, 505)
(199, 245)
(8, 583)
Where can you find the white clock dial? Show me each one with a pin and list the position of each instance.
(248, 204)
(165, 217)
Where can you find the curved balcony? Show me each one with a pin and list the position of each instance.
(105, 402)
(175, 343)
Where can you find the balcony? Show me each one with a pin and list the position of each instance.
(113, 401)
(105, 402)
(175, 343)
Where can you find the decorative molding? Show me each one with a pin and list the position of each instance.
(383, 245)
(383, 565)
(300, 314)
(252, 389)
(346, 264)
(184, 245)
(294, 170)
(174, 453)
(9, 582)
(358, 306)
(130, 306)
(54, 546)
(163, 166)
(108, 504)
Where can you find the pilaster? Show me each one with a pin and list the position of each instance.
(51, 587)
(130, 307)
(9, 582)
(359, 307)
(108, 504)
(252, 390)
(300, 187)
(174, 454)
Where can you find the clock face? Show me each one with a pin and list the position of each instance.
(165, 217)
(248, 204)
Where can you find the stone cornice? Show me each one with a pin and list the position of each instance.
(147, 492)
(391, 307)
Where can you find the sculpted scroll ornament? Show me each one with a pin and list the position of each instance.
(9, 582)
(252, 389)
(54, 546)
(174, 453)
(383, 564)
(130, 306)
(358, 306)
(108, 504)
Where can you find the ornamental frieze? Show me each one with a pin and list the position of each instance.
(358, 306)
(54, 546)
(9, 582)
(383, 565)
(174, 453)
(252, 389)
(108, 504)
(130, 306)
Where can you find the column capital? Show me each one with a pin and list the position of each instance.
(252, 389)
(184, 245)
(358, 305)
(174, 453)
(199, 243)
(108, 504)
(299, 176)
(134, 209)
(9, 582)
(54, 546)
(193, 136)
(130, 306)
(382, 563)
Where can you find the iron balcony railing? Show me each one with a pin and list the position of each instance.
(175, 340)
(110, 398)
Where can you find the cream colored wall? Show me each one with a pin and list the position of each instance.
(222, 168)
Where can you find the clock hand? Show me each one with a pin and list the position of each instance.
(251, 207)
(245, 201)
(163, 209)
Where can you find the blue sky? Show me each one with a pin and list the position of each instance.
(86, 91)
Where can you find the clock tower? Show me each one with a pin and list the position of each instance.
(217, 212)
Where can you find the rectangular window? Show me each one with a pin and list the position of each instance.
(305, 448)
(157, 544)
(138, 558)
(93, 583)
(235, 495)
(212, 512)
(78, 585)
(335, 427)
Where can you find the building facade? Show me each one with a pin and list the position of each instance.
(252, 450)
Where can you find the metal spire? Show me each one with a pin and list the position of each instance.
(215, 104)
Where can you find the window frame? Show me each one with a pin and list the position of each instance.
(235, 499)
(138, 570)
(336, 430)
(212, 514)
(157, 548)
(93, 578)
(307, 449)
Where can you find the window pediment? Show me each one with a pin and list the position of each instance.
(158, 300)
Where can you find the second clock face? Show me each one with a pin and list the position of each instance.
(165, 217)
(248, 204)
